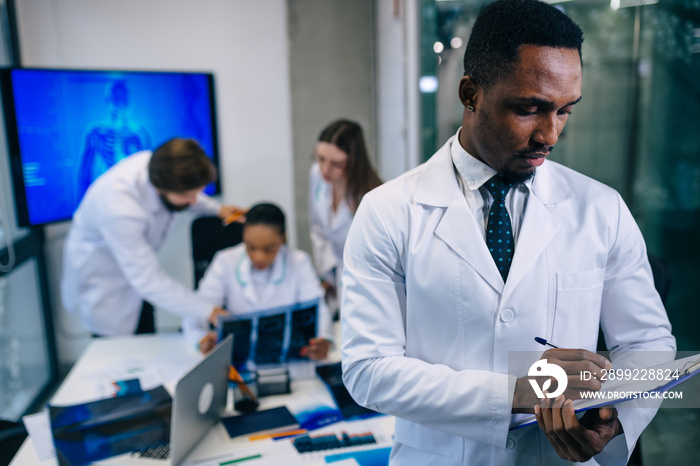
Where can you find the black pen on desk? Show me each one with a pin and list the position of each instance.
(544, 342)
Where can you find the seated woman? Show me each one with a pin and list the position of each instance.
(261, 273)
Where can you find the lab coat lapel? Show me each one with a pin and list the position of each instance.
(539, 224)
(278, 273)
(324, 199)
(459, 231)
(243, 275)
(437, 186)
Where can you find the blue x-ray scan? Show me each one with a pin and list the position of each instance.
(111, 139)
(273, 335)
(73, 125)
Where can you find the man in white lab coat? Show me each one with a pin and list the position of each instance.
(429, 318)
(111, 274)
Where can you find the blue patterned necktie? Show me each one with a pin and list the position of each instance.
(499, 234)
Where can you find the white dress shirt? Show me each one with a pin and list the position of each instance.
(471, 176)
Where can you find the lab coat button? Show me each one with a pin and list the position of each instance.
(507, 315)
(510, 443)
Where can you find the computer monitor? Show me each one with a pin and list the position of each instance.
(67, 127)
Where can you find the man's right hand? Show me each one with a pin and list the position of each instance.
(214, 316)
(573, 361)
(232, 213)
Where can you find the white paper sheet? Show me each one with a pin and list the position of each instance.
(260, 453)
(39, 429)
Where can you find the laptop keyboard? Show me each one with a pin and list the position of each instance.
(158, 452)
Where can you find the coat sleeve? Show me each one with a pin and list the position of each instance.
(635, 325)
(212, 288)
(125, 236)
(205, 205)
(376, 370)
(632, 314)
(194, 329)
(321, 246)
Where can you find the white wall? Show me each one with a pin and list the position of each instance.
(243, 42)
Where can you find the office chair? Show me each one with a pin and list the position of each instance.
(12, 435)
(662, 283)
(208, 237)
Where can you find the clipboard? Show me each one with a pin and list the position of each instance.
(686, 367)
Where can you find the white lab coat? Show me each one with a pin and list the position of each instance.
(427, 323)
(328, 229)
(109, 260)
(228, 283)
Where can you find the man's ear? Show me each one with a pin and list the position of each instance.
(467, 92)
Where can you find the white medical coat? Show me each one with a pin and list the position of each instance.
(328, 229)
(227, 283)
(427, 322)
(109, 258)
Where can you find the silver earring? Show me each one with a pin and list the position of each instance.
(470, 107)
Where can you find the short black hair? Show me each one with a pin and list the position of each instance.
(180, 165)
(504, 25)
(268, 214)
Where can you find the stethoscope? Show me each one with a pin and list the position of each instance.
(282, 277)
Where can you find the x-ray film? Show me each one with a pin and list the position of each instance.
(270, 336)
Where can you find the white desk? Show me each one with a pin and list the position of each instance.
(172, 357)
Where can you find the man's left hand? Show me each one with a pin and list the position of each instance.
(574, 439)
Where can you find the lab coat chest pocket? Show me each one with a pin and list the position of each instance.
(577, 311)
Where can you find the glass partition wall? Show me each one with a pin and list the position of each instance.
(27, 349)
(28, 363)
(637, 129)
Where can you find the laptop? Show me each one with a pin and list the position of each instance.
(198, 403)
